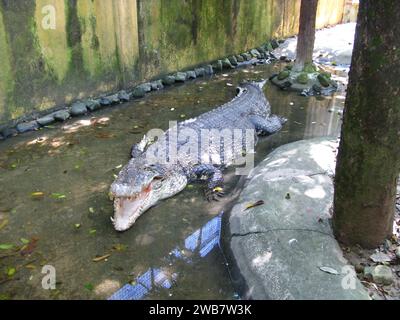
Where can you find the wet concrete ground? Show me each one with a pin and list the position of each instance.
(54, 206)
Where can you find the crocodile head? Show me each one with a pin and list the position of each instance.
(139, 187)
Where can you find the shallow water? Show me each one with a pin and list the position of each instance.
(54, 192)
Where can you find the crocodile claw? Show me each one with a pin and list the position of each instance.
(214, 194)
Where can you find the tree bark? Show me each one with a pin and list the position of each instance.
(306, 38)
(369, 154)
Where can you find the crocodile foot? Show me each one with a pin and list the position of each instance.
(214, 194)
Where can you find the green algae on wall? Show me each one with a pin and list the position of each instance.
(109, 36)
(6, 77)
(52, 35)
(178, 34)
(98, 46)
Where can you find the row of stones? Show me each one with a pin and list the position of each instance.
(83, 107)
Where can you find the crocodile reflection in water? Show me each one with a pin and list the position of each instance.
(200, 242)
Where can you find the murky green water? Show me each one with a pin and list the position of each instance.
(54, 185)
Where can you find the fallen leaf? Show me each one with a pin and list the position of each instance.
(6, 246)
(28, 248)
(37, 194)
(256, 204)
(329, 270)
(89, 286)
(24, 241)
(119, 247)
(3, 223)
(30, 266)
(11, 271)
(91, 210)
(77, 225)
(98, 259)
(58, 196)
(92, 231)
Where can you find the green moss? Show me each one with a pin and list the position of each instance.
(327, 75)
(310, 68)
(302, 78)
(323, 80)
(283, 75)
(52, 43)
(6, 77)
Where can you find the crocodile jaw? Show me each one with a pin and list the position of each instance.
(126, 213)
(128, 209)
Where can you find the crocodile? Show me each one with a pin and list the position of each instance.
(146, 179)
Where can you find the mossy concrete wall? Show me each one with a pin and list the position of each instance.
(53, 52)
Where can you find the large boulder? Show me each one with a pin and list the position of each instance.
(285, 249)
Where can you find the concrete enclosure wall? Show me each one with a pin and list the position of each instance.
(53, 52)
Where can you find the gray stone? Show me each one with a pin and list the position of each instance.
(255, 53)
(168, 80)
(233, 60)
(246, 56)
(227, 64)
(280, 250)
(274, 44)
(191, 75)
(105, 101)
(138, 92)
(200, 72)
(114, 98)
(46, 120)
(379, 274)
(78, 109)
(209, 70)
(268, 47)
(93, 105)
(145, 86)
(157, 85)
(397, 252)
(61, 115)
(124, 96)
(218, 65)
(27, 126)
(180, 77)
(239, 58)
(9, 132)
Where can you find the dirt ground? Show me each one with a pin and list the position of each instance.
(362, 259)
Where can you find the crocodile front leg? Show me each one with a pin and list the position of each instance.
(215, 180)
(267, 126)
(139, 148)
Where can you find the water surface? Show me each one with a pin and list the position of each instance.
(54, 192)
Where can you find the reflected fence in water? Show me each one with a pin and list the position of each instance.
(200, 243)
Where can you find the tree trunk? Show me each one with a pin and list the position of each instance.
(306, 38)
(369, 155)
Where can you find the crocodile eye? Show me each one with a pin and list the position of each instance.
(157, 182)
